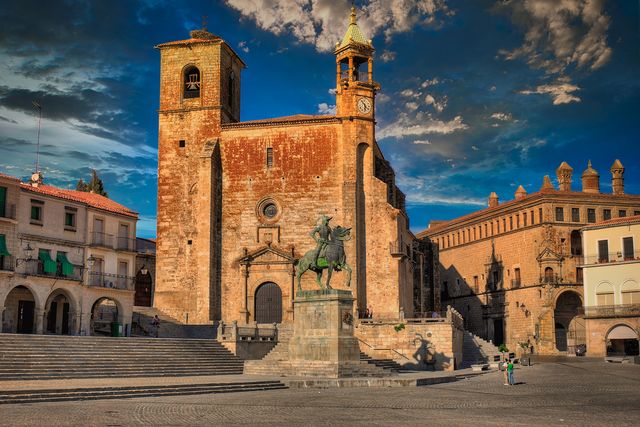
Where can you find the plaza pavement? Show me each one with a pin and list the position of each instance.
(571, 394)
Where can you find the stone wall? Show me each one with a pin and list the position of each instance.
(420, 344)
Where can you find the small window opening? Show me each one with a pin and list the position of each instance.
(182, 143)
(269, 157)
(191, 87)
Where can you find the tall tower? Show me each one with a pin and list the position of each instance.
(564, 173)
(199, 90)
(355, 88)
(617, 177)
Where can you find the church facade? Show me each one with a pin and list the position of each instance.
(237, 200)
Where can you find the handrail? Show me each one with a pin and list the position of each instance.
(383, 349)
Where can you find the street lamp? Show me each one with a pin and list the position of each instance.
(91, 261)
(144, 270)
(28, 252)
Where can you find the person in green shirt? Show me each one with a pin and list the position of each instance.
(510, 372)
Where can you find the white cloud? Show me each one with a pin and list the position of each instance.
(387, 56)
(323, 22)
(439, 106)
(560, 33)
(411, 106)
(422, 141)
(492, 88)
(430, 82)
(332, 91)
(382, 98)
(324, 108)
(243, 46)
(474, 148)
(409, 93)
(561, 91)
(505, 117)
(421, 124)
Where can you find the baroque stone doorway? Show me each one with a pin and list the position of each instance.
(268, 303)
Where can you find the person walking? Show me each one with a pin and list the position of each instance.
(156, 325)
(505, 364)
(510, 373)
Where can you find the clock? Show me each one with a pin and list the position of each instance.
(364, 105)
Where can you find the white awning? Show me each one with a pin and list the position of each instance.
(622, 333)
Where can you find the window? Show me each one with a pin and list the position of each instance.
(591, 215)
(559, 214)
(269, 157)
(576, 243)
(504, 225)
(123, 272)
(496, 279)
(510, 223)
(516, 280)
(539, 215)
(548, 275)
(622, 213)
(70, 218)
(575, 214)
(3, 201)
(475, 284)
(191, 87)
(532, 219)
(518, 221)
(604, 299)
(231, 87)
(36, 211)
(632, 297)
(606, 214)
(579, 275)
(182, 143)
(524, 219)
(636, 213)
(627, 248)
(603, 251)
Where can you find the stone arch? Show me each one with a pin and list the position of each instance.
(21, 308)
(104, 311)
(622, 340)
(268, 303)
(60, 313)
(569, 323)
(191, 81)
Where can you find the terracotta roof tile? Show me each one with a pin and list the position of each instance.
(284, 119)
(9, 177)
(614, 221)
(190, 41)
(90, 199)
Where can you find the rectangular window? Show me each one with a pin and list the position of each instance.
(524, 219)
(496, 279)
(516, 281)
(591, 215)
(604, 299)
(36, 211)
(579, 275)
(517, 221)
(510, 223)
(539, 215)
(269, 157)
(182, 143)
(3, 201)
(575, 214)
(631, 297)
(533, 221)
(559, 214)
(504, 225)
(636, 213)
(606, 214)
(627, 248)
(622, 213)
(603, 251)
(70, 218)
(475, 284)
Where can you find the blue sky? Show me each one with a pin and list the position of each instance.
(477, 96)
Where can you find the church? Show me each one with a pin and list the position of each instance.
(237, 200)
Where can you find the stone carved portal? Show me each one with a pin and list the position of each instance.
(268, 303)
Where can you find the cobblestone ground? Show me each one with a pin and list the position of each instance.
(572, 394)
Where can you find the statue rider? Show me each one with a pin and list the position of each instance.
(324, 231)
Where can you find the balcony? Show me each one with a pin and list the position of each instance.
(552, 279)
(9, 211)
(35, 267)
(399, 249)
(112, 281)
(101, 239)
(125, 244)
(620, 310)
(516, 283)
(609, 258)
(7, 263)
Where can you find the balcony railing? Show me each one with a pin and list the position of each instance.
(125, 244)
(9, 211)
(398, 249)
(7, 263)
(114, 281)
(516, 283)
(101, 239)
(35, 267)
(361, 76)
(551, 278)
(610, 257)
(620, 310)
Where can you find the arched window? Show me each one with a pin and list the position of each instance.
(230, 88)
(191, 88)
(548, 275)
(576, 243)
(604, 294)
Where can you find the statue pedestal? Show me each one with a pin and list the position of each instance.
(323, 343)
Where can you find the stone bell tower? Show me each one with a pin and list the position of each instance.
(355, 88)
(199, 91)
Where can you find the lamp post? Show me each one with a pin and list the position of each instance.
(28, 253)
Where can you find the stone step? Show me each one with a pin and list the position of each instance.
(60, 395)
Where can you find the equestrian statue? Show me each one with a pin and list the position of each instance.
(328, 253)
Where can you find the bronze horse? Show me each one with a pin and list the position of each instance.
(331, 258)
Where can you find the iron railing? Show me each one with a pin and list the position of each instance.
(399, 248)
(113, 281)
(35, 267)
(125, 244)
(7, 263)
(9, 211)
(516, 283)
(618, 310)
(101, 239)
(609, 258)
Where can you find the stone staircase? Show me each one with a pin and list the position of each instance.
(169, 327)
(476, 350)
(387, 364)
(35, 357)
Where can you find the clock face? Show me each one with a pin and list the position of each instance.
(364, 105)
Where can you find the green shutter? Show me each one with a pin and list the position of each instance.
(3, 246)
(3, 201)
(49, 265)
(67, 267)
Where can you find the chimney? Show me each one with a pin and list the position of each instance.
(590, 180)
(493, 200)
(617, 179)
(564, 173)
(521, 193)
(546, 184)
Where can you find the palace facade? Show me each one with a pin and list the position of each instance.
(238, 199)
(514, 270)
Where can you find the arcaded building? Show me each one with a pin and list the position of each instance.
(514, 269)
(237, 200)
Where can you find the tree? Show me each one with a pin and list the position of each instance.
(94, 186)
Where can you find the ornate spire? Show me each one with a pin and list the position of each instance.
(353, 34)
